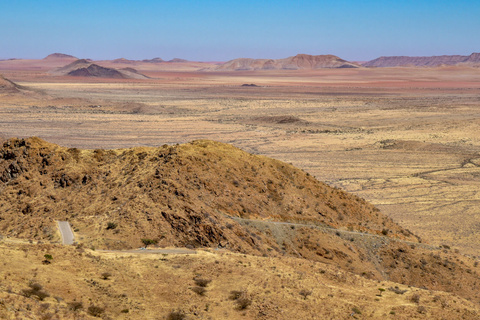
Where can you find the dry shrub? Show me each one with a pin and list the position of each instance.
(234, 295)
(95, 311)
(202, 282)
(176, 315)
(75, 305)
(242, 300)
(199, 290)
(106, 275)
(415, 298)
(35, 290)
(421, 309)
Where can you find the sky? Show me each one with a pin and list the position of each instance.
(215, 30)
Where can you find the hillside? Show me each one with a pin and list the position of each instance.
(79, 283)
(298, 62)
(202, 180)
(211, 195)
(432, 61)
(9, 87)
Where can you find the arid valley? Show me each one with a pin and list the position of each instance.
(404, 139)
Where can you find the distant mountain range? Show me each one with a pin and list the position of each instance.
(121, 68)
(432, 61)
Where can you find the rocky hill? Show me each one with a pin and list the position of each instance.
(154, 60)
(298, 62)
(211, 195)
(60, 56)
(398, 61)
(86, 68)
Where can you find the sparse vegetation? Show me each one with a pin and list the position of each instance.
(35, 289)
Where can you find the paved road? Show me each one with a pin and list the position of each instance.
(157, 251)
(66, 232)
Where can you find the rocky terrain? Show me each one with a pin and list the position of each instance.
(433, 61)
(298, 62)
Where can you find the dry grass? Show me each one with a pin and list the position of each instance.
(157, 286)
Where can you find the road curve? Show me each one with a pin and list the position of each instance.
(66, 232)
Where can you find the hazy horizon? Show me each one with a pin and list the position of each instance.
(224, 30)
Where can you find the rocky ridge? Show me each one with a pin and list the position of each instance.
(433, 61)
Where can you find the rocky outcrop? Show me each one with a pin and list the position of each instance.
(85, 68)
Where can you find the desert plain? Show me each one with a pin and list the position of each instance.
(405, 139)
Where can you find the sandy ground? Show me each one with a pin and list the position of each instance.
(405, 139)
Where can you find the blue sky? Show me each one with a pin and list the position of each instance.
(214, 30)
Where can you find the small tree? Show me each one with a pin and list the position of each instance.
(148, 242)
(305, 293)
(106, 275)
(111, 225)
